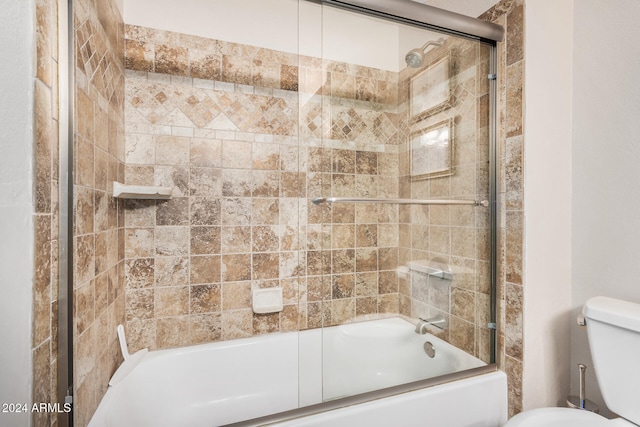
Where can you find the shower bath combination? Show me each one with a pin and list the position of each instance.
(415, 57)
(289, 172)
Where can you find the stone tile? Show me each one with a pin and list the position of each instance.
(140, 304)
(205, 298)
(172, 150)
(265, 238)
(236, 70)
(237, 324)
(205, 328)
(342, 311)
(236, 267)
(463, 304)
(205, 269)
(174, 211)
(388, 304)
(366, 235)
(171, 301)
(205, 211)
(235, 239)
(236, 211)
(205, 152)
(513, 368)
(171, 60)
(141, 334)
(43, 147)
(515, 34)
(85, 258)
(265, 266)
(172, 332)
(172, 241)
(514, 100)
(366, 163)
(343, 161)
(236, 295)
(514, 247)
(462, 334)
(266, 323)
(205, 240)
(171, 270)
(513, 328)
(366, 284)
(236, 183)
(342, 261)
(265, 156)
(387, 282)
(139, 272)
(343, 286)
(236, 154)
(366, 259)
(139, 56)
(342, 236)
(265, 211)
(205, 64)
(289, 77)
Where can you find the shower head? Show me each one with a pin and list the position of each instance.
(415, 57)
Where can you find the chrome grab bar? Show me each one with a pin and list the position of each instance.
(319, 200)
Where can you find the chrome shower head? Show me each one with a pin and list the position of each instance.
(415, 57)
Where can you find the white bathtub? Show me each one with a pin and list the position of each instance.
(232, 381)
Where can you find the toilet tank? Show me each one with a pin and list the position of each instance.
(613, 327)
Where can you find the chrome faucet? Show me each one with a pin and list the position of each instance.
(438, 321)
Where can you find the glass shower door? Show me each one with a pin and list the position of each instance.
(398, 230)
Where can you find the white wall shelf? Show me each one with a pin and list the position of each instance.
(125, 191)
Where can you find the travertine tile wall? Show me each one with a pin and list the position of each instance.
(455, 235)
(246, 137)
(99, 218)
(45, 169)
(100, 293)
(510, 14)
(356, 157)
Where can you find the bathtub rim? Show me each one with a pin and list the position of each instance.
(367, 397)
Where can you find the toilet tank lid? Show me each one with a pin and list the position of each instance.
(614, 312)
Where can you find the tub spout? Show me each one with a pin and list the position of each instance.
(438, 321)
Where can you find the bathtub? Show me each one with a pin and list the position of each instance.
(234, 381)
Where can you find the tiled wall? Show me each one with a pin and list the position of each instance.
(246, 137)
(455, 235)
(99, 218)
(510, 14)
(352, 253)
(45, 168)
(183, 238)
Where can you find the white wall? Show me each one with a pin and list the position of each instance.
(16, 206)
(606, 161)
(473, 8)
(547, 290)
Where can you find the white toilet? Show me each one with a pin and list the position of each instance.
(613, 327)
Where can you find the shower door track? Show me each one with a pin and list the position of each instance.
(425, 16)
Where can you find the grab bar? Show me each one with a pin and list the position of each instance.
(319, 200)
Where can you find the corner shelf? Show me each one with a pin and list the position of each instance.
(125, 191)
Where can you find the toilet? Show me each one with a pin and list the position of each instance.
(613, 328)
